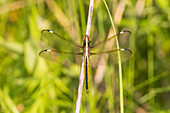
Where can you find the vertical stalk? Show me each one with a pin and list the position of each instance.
(150, 42)
(119, 63)
(131, 71)
(81, 80)
(150, 64)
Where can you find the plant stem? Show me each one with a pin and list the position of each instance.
(81, 80)
(119, 63)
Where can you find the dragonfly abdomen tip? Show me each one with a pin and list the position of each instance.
(87, 90)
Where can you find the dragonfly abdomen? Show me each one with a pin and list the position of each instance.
(86, 72)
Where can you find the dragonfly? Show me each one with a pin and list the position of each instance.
(86, 49)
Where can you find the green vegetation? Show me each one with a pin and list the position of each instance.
(31, 84)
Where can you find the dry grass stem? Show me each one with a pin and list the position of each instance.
(81, 80)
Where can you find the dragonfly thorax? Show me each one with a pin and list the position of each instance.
(86, 45)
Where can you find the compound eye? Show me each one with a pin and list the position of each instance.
(86, 36)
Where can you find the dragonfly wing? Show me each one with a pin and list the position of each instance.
(53, 55)
(101, 58)
(51, 39)
(107, 44)
(105, 49)
(54, 45)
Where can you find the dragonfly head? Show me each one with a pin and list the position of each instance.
(86, 37)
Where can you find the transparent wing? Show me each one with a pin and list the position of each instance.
(54, 45)
(53, 55)
(111, 56)
(110, 43)
(54, 40)
(124, 53)
(106, 50)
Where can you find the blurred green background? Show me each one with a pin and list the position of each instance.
(31, 84)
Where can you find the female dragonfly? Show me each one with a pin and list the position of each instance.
(55, 41)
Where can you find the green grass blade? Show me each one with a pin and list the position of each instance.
(119, 63)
